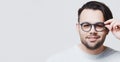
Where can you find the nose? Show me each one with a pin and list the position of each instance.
(93, 31)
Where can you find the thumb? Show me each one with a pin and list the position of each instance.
(108, 26)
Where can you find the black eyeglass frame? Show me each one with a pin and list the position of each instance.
(94, 26)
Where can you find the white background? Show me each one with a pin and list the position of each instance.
(33, 30)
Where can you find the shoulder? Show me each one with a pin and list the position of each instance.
(112, 52)
(115, 55)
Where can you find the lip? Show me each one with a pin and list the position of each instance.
(93, 38)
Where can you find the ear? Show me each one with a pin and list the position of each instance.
(77, 27)
(107, 31)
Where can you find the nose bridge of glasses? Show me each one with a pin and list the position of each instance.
(93, 27)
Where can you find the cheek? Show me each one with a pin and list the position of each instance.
(103, 35)
(82, 34)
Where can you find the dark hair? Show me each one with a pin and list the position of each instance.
(107, 14)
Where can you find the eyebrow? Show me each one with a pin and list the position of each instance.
(92, 23)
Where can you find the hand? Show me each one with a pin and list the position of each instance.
(114, 26)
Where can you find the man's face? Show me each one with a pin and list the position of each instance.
(91, 39)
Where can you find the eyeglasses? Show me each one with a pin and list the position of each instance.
(99, 26)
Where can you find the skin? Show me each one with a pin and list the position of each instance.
(114, 26)
(92, 38)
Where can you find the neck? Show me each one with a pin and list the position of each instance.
(96, 51)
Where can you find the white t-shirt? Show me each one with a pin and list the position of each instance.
(76, 55)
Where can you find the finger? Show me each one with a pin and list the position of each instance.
(108, 21)
(116, 26)
(112, 25)
(107, 26)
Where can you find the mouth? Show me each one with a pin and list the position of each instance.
(93, 38)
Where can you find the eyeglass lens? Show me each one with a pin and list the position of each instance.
(86, 26)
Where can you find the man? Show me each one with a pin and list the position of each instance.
(95, 20)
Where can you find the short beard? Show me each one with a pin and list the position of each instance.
(94, 47)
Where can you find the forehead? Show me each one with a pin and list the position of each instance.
(91, 16)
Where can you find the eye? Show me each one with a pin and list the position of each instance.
(100, 25)
(86, 25)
